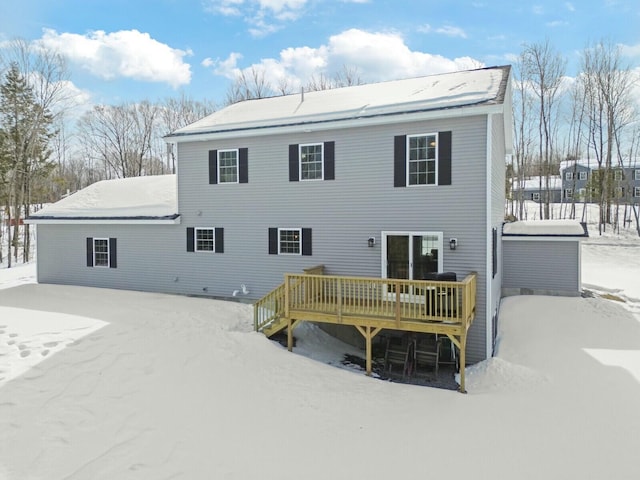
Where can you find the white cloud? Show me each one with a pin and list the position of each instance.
(126, 53)
(569, 6)
(376, 56)
(630, 50)
(262, 16)
(451, 31)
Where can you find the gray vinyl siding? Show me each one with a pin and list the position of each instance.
(144, 257)
(541, 267)
(342, 213)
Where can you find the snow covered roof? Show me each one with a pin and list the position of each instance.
(593, 164)
(487, 86)
(545, 228)
(150, 199)
(555, 183)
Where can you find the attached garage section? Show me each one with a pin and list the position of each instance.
(542, 258)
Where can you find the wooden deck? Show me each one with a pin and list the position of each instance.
(371, 305)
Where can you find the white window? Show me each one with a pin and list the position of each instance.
(289, 241)
(619, 192)
(617, 175)
(582, 175)
(568, 175)
(568, 193)
(205, 240)
(582, 192)
(636, 174)
(535, 196)
(311, 161)
(227, 166)
(636, 191)
(422, 159)
(101, 252)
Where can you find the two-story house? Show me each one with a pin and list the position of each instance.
(393, 180)
(580, 179)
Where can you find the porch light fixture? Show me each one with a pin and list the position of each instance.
(371, 241)
(453, 243)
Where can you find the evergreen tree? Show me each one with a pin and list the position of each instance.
(25, 131)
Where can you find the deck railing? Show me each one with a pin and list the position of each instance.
(376, 298)
(384, 298)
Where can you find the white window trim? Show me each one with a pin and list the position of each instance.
(195, 239)
(617, 175)
(95, 264)
(582, 192)
(437, 160)
(583, 175)
(321, 144)
(568, 193)
(636, 174)
(636, 192)
(295, 229)
(237, 151)
(568, 176)
(535, 196)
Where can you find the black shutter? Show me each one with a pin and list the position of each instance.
(89, 252)
(444, 158)
(113, 253)
(294, 163)
(400, 161)
(213, 166)
(306, 241)
(190, 239)
(243, 165)
(273, 241)
(329, 160)
(219, 240)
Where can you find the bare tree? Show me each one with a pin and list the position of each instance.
(176, 113)
(607, 88)
(543, 70)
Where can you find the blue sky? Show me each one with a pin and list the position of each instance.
(151, 49)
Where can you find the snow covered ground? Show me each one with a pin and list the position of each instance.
(148, 386)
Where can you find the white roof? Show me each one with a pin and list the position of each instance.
(125, 199)
(555, 183)
(545, 228)
(435, 92)
(593, 163)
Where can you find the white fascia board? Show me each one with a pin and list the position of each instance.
(538, 238)
(99, 221)
(396, 118)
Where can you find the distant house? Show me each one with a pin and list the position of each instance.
(393, 183)
(532, 189)
(579, 178)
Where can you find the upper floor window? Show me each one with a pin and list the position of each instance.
(617, 175)
(422, 159)
(535, 196)
(582, 175)
(568, 175)
(227, 166)
(636, 174)
(311, 161)
(636, 192)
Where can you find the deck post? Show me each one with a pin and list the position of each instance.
(368, 335)
(289, 335)
(463, 359)
(398, 303)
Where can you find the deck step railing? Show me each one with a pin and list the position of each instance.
(269, 309)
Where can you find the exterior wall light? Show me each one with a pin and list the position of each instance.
(453, 243)
(371, 241)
